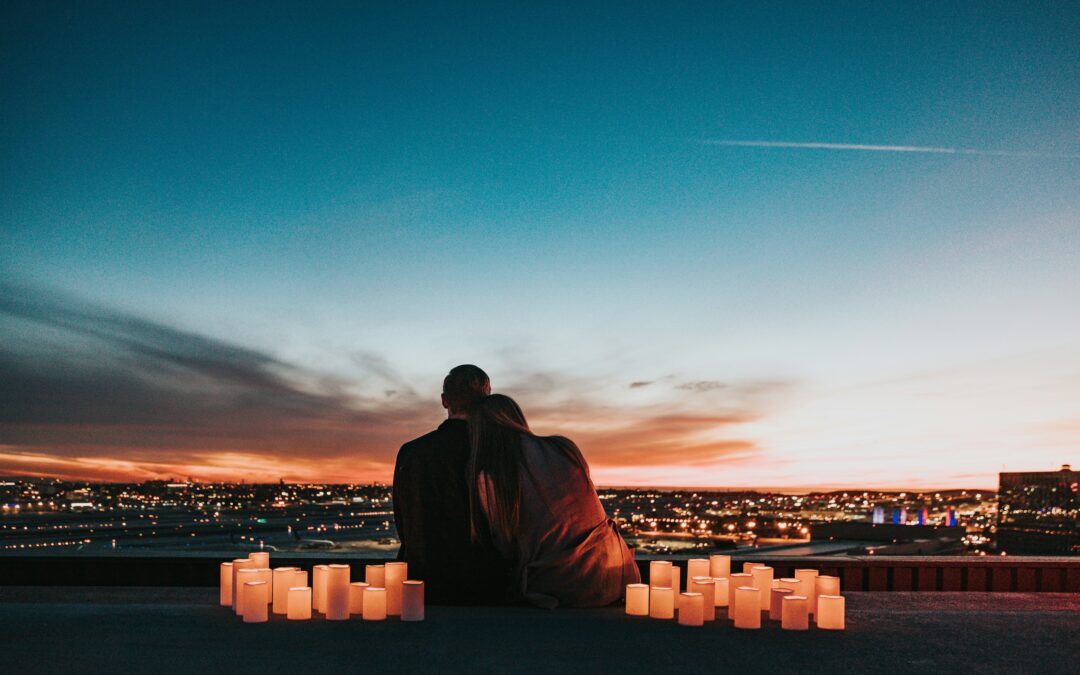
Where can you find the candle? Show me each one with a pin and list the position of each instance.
(242, 578)
(336, 585)
(266, 574)
(283, 581)
(256, 594)
(719, 566)
(661, 602)
(793, 614)
(747, 567)
(299, 603)
(776, 600)
(721, 592)
(356, 596)
(793, 585)
(763, 575)
(830, 612)
(747, 607)
(318, 587)
(299, 578)
(675, 584)
(412, 600)
(707, 587)
(395, 574)
(734, 581)
(374, 603)
(237, 565)
(375, 575)
(637, 599)
(691, 607)
(826, 585)
(696, 567)
(659, 573)
(225, 584)
(260, 558)
(809, 586)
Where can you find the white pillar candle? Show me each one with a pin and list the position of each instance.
(356, 596)
(696, 567)
(793, 614)
(375, 576)
(722, 592)
(830, 612)
(412, 600)
(776, 599)
(691, 606)
(809, 587)
(336, 581)
(707, 587)
(747, 607)
(299, 603)
(261, 558)
(675, 583)
(256, 594)
(237, 565)
(243, 577)
(637, 599)
(763, 575)
(734, 581)
(283, 581)
(395, 574)
(826, 585)
(266, 574)
(374, 603)
(719, 566)
(660, 574)
(661, 602)
(299, 578)
(225, 584)
(793, 585)
(747, 566)
(318, 587)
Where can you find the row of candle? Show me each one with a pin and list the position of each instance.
(710, 584)
(253, 590)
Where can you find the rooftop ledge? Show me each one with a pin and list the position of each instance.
(176, 629)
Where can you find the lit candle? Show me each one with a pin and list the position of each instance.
(412, 600)
(225, 585)
(748, 566)
(675, 581)
(637, 599)
(243, 577)
(318, 587)
(261, 558)
(336, 583)
(707, 587)
(691, 607)
(660, 573)
(283, 581)
(734, 581)
(266, 574)
(256, 594)
(356, 597)
(374, 603)
(395, 574)
(793, 614)
(719, 566)
(237, 565)
(809, 587)
(299, 578)
(299, 603)
(661, 602)
(827, 585)
(793, 585)
(776, 600)
(763, 575)
(747, 607)
(375, 576)
(830, 612)
(721, 592)
(696, 567)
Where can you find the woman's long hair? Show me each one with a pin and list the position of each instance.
(496, 428)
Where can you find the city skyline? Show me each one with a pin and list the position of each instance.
(785, 246)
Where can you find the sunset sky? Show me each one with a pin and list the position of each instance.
(787, 245)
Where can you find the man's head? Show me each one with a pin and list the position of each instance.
(463, 387)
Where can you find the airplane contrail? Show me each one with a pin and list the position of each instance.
(889, 148)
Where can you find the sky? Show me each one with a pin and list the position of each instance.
(720, 245)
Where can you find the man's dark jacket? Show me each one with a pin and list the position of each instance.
(431, 509)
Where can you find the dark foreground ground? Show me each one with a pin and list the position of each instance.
(133, 630)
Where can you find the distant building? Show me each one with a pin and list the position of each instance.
(1039, 512)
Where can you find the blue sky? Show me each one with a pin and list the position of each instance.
(368, 194)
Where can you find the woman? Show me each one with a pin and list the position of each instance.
(533, 499)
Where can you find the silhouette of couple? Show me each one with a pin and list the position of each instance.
(489, 512)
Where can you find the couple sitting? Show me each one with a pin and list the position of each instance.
(489, 512)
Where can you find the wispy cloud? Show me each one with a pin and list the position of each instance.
(863, 147)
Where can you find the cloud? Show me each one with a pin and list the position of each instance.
(639, 385)
(862, 147)
(701, 386)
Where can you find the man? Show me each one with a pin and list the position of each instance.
(431, 504)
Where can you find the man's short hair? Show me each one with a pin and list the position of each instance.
(464, 387)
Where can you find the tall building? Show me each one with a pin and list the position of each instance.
(1039, 512)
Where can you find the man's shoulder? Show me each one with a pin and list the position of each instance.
(433, 441)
